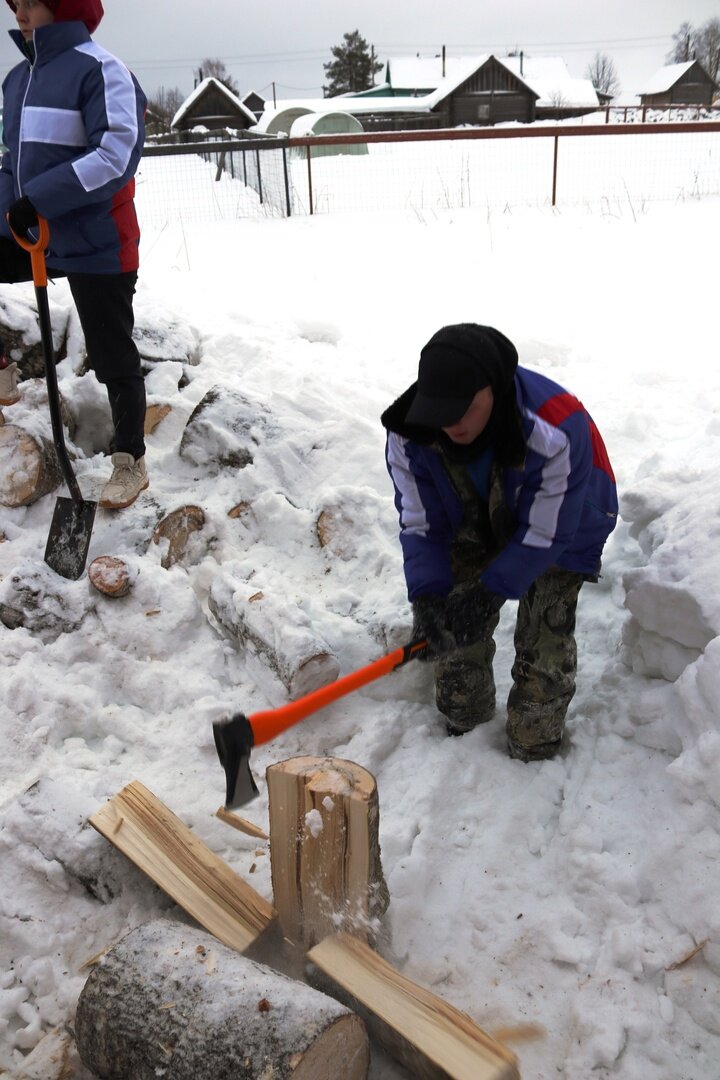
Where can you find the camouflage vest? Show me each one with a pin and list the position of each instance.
(486, 526)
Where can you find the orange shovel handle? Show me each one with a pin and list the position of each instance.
(37, 250)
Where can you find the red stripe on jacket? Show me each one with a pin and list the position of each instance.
(126, 224)
(558, 408)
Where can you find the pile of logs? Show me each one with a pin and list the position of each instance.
(268, 992)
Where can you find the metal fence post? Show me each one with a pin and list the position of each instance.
(310, 189)
(257, 161)
(287, 182)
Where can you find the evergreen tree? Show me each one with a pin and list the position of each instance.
(354, 67)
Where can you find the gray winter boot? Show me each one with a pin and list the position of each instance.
(8, 385)
(129, 478)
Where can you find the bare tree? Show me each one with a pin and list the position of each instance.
(602, 74)
(162, 107)
(701, 43)
(215, 69)
(707, 47)
(683, 44)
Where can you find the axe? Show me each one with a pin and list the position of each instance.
(236, 736)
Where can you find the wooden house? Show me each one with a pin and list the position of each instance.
(255, 103)
(212, 106)
(680, 84)
(446, 92)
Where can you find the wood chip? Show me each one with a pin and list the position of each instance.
(240, 823)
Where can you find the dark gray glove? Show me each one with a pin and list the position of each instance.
(469, 609)
(430, 623)
(22, 216)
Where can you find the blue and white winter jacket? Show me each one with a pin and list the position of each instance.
(73, 133)
(563, 497)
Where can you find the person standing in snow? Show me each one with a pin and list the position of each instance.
(73, 133)
(505, 492)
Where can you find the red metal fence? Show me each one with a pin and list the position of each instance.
(425, 171)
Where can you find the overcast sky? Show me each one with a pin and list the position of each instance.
(286, 43)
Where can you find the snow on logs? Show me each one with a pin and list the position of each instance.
(29, 467)
(170, 1000)
(275, 630)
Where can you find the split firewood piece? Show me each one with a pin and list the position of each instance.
(432, 1039)
(240, 823)
(276, 630)
(324, 848)
(152, 837)
(176, 528)
(53, 1058)
(29, 467)
(154, 415)
(110, 576)
(170, 1001)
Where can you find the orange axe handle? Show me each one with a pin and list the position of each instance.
(268, 724)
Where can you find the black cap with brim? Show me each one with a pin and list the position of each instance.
(437, 412)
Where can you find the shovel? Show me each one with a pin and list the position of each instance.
(235, 737)
(72, 521)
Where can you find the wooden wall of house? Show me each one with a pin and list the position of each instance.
(407, 122)
(493, 95)
(695, 87)
(213, 110)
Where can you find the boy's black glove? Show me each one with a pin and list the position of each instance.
(430, 621)
(22, 216)
(469, 609)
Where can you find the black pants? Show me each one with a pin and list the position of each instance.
(104, 305)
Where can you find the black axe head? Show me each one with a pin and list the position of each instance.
(234, 739)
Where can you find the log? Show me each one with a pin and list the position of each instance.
(277, 631)
(29, 467)
(177, 528)
(154, 415)
(109, 576)
(168, 1000)
(430, 1038)
(324, 849)
(152, 837)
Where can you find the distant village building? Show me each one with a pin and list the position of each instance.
(211, 105)
(255, 103)
(680, 84)
(445, 92)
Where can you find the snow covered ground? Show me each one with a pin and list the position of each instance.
(579, 894)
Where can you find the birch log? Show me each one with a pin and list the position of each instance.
(169, 1000)
(29, 467)
(324, 848)
(274, 629)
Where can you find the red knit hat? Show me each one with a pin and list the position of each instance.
(88, 11)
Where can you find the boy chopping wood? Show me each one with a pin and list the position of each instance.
(505, 492)
(73, 135)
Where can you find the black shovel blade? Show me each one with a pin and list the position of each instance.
(69, 537)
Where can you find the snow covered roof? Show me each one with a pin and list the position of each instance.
(667, 76)
(549, 77)
(201, 89)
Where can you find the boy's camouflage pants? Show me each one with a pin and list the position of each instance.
(543, 672)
